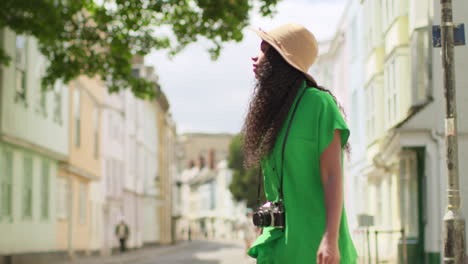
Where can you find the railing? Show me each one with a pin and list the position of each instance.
(368, 245)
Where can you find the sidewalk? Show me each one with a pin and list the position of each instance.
(133, 256)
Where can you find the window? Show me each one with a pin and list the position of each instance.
(355, 116)
(77, 115)
(394, 92)
(354, 38)
(27, 187)
(96, 132)
(109, 126)
(387, 12)
(83, 202)
(391, 92)
(369, 39)
(107, 178)
(420, 66)
(58, 103)
(41, 105)
(6, 184)
(371, 112)
(409, 186)
(136, 73)
(113, 171)
(45, 189)
(63, 191)
(20, 62)
(212, 195)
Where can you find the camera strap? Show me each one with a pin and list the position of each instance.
(284, 143)
(282, 154)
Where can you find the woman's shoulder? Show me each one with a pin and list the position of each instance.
(317, 98)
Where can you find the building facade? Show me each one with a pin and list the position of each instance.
(166, 173)
(113, 164)
(340, 68)
(203, 202)
(78, 230)
(33, 142)
(397, 169)
(75, 160)
(209, 210)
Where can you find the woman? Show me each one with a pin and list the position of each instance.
(315, 228)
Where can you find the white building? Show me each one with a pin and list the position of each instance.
(397, 169)
(339, 68)
(113, 161)
(141, 166)
(208, 208)
(150, 169)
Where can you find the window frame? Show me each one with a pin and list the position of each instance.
(21, 66)
(96, 120)
(45, 189)
(77, 116)
(28, 187)
(63, 190)
(83, 207)
(6, 185)
(58, 92)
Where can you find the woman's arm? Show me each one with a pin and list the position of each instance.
(330, 172)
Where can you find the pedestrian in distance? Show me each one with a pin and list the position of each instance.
(189, 234)
(122, 232)
(294, 130)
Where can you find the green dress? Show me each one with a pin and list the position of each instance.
(317, 116)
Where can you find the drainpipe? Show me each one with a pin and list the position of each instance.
(70, 218)
(439, 140)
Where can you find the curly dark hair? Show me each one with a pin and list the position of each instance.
(274, 92)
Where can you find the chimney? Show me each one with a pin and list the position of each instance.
(201, 162)
(211, 159)
(191, 164)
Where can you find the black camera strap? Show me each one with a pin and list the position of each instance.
(282, 153)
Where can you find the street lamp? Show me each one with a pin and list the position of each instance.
(454, 223)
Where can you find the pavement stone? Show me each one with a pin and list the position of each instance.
(195, 252)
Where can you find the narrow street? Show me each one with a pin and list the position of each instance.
(196, 252)
(203, 252)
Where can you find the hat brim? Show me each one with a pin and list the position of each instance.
(267, 38)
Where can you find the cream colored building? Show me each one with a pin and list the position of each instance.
(79, 222)
(166, 173)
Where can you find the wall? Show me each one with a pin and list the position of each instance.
(28, 123)
(19, 234)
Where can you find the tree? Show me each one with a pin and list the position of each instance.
(100, 37)
(244, 185)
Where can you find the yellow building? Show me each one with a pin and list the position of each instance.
(166, 132)
(74, 229)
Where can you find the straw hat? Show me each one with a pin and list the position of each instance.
(297, 45)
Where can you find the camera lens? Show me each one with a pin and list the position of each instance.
(261, 219)
(257, 219)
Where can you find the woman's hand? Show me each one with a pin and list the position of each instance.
(328, 252)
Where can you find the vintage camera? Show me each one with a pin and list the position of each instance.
(270, 214)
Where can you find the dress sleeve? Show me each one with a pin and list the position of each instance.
(330, 119)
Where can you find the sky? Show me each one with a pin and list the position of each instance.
(213, 96)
